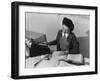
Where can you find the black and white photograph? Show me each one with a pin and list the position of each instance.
(53, 40)
(56, 40)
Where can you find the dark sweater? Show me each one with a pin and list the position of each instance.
(73, 44)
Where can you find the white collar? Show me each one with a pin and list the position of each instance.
(66, 34)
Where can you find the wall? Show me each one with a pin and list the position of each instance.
(5, 41)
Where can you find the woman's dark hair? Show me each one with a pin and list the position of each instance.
(67, 22)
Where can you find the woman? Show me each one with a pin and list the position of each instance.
(66, 40)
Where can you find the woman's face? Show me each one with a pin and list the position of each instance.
(66, 29)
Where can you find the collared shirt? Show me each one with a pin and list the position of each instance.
(64, 44)
(65, 34)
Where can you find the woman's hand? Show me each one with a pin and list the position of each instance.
(66, 52)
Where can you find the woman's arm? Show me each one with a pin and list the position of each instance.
(75, 46)
(54, 42)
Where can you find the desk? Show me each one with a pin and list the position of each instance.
(53, 62)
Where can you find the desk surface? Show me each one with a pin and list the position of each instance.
(53, 62)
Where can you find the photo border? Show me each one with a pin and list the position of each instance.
(15, 39)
